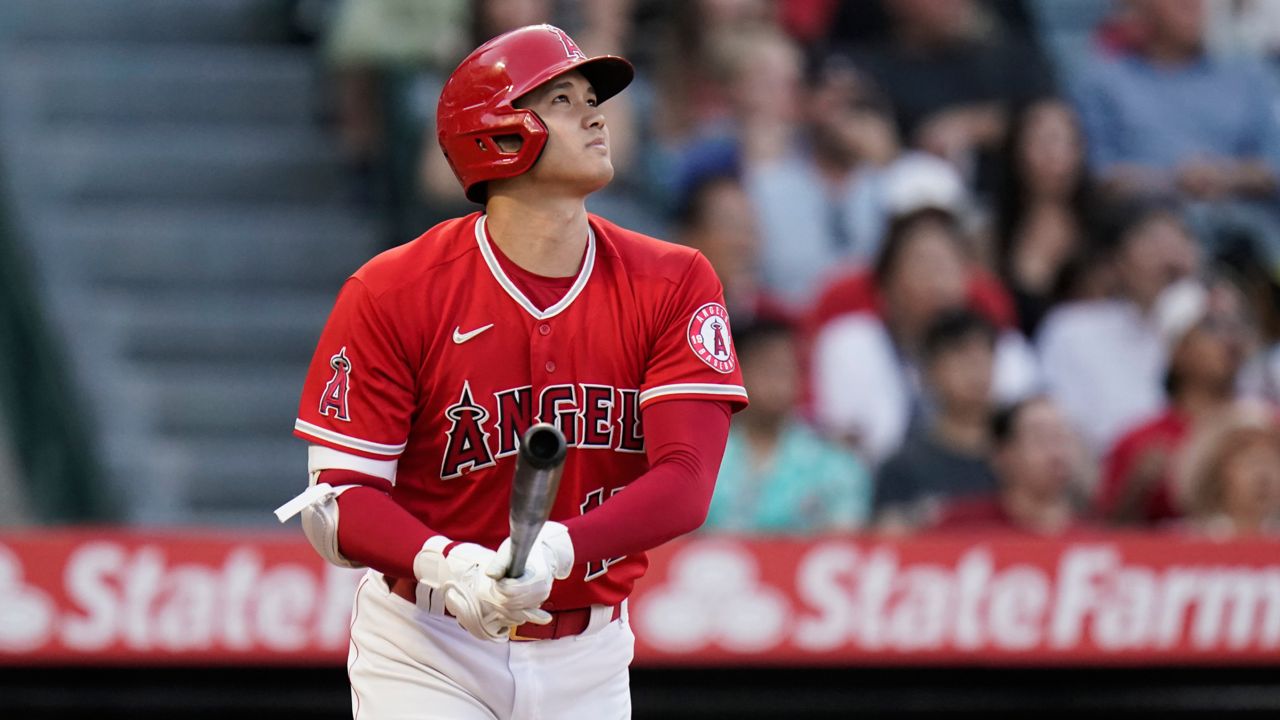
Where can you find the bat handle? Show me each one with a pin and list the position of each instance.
(533, 489)
(519, 557)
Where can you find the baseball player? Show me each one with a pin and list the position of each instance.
(440, 353)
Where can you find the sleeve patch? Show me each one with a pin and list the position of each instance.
(709, 337)
(334, 399)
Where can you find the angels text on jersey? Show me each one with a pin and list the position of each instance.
(484, 429)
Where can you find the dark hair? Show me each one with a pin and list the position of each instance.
(1115, 221)
(952, 328)
(1005, 419)
(749, 336)
(1011, 206)
(900, 228)
(821, 63)
(693, 199)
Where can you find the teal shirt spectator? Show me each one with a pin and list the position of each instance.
(811, 486)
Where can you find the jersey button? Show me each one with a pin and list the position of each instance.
(544, 329)
(551, 366)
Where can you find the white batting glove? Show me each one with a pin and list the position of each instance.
(469, 594)
(550, 559)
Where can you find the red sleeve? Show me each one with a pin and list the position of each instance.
(692, 356)
(685, 442)
(360, 388)
(373, 529)
(988, 296)
(1116, 468)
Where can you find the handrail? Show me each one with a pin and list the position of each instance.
(55, 456)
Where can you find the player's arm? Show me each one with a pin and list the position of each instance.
(685, 442)
(355, 411)
(692, 385)
(352, 520)
(375, 531)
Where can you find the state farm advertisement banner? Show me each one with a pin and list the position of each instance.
(123, 597)
(939, 600)
(118, 597)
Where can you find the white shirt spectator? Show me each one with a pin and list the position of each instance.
(1103, 363)
(863, 388)
(809, 229)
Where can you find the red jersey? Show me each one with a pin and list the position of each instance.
(435, 362)
(1149, 447)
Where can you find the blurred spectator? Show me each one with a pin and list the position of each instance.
(865, 21)
(778, 475)
(817, 158)
(865, 363)
(951, 72)
(1039, 469)
(1103, 360)
(718, 61)
(1041, 206)
(716, 218)
(692, 80)
(1170, 117)
(1120, 31)
(1208, 336)
(366, 42)
(1244, 27)
(1232, 483)
(949, 459)
(820, 193)
(917, 182)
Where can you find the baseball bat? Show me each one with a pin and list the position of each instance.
(533, 489)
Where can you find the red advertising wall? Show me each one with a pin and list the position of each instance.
(115, 597)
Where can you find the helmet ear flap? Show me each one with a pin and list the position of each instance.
(525, 130)
(502, 163)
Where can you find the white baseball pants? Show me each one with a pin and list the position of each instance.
(412, 661)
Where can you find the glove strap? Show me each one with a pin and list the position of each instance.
(431, 566)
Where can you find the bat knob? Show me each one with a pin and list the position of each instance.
(543, 446)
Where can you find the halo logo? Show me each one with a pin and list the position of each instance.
(26, 614)
(709, 337)
(713, 595)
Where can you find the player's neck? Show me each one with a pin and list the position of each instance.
(546, 238)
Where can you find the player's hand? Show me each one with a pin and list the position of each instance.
(526, 592)
(553, 542)
(469, 594)
(550, 559)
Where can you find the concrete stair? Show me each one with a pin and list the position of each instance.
(188, 218)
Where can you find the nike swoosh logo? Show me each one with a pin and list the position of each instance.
(460, 337)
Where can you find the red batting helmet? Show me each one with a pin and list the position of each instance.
(476, 103)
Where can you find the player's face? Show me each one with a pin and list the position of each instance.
(576, 156)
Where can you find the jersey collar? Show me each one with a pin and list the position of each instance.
(492, 261)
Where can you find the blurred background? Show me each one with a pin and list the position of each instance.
(993, 267)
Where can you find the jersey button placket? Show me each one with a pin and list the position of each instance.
(540, 348)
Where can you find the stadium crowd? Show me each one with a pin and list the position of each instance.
(979, 277)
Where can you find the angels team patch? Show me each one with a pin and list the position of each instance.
(334, 400)
(709, 337)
